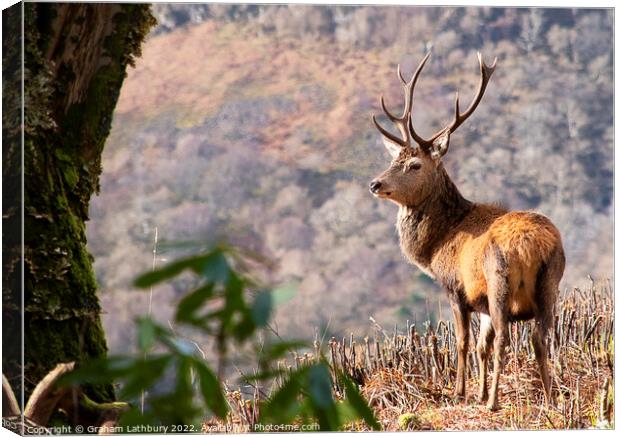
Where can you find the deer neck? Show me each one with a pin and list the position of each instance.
(424, 228)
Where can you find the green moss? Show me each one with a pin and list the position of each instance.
(11, 192)
(62, 167)
(408, 421)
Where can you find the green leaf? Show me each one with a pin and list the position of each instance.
(212, 265)
(263, 376)
(284, 293)
(235, 305)
(261, 308)
(359, 404)
(215, 268)
(146, 334)
(181, 347)
(211, 389)
(321, 398)
(184, 382)
(233, 292)
(320, 386)
(245, 327)
(171, 270)
(276, 350)
(133, 417)
(145, 373)
(283, 405)
(347, 413)
(175, 407)
(100, 370)
(186, 310)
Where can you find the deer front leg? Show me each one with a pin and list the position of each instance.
(482, 348)
(461, 323)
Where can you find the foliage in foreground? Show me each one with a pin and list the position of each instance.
(220, 308)
(405, 376)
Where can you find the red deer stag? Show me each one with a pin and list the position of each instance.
(504, 265)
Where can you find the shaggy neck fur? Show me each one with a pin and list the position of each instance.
(422, 228)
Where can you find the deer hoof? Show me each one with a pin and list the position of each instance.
(493, 406)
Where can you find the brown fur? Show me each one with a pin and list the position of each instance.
(447, 236)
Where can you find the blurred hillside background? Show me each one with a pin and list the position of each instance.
(253, 123)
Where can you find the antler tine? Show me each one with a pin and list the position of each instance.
(485, 75)
(391, 116)
(456, 103)
(400, 122)
(400, 75)
(410, 87)
(387, 134)
(403, 123)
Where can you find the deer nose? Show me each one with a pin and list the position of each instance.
(374, 186)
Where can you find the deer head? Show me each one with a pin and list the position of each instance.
(416, 161)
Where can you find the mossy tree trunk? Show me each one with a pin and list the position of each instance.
(76, 56)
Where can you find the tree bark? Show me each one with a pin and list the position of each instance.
(76, 56)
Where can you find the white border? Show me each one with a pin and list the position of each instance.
(496, 3)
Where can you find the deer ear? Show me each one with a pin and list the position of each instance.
(440, 145)
(393, 148)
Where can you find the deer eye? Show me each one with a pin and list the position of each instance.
(414, 165)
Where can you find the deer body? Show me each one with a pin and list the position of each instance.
(451, 247)
(505, 265)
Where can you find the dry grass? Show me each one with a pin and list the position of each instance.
(407, 377)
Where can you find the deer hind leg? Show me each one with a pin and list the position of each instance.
(540, 350)
(482, 348)
(496, 272)
(500, 326)
(461, 323)
(547, 292)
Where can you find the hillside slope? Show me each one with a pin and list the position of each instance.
(260, 133)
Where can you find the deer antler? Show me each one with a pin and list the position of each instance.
(485, 75)
(403, 121)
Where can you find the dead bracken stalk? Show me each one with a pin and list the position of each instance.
(413, 371)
